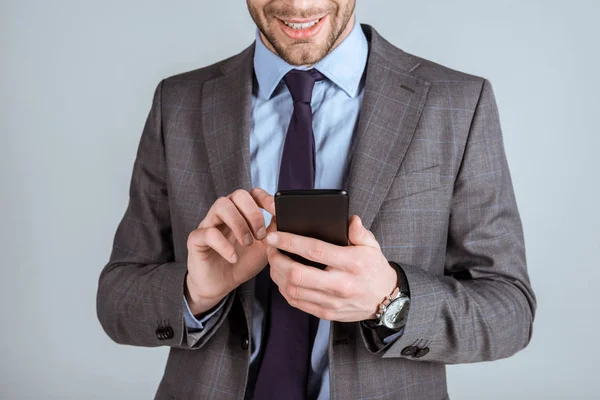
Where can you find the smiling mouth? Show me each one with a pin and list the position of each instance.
(303, 25)
(302, 29)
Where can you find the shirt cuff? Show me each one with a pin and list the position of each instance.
(195, 324)
(389, 339)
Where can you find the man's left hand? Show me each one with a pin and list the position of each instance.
(356, 280)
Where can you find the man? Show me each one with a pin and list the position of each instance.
(319, 101)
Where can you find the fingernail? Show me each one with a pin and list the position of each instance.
(272, 238)
(262, 232)
(234, 258)
(248, 239)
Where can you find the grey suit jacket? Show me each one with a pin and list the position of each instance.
(428, 176)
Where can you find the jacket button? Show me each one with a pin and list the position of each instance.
(422, 352)
(409, 351)
(169, 333)
(245, 342)
(164, 333)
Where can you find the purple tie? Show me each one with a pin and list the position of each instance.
(290, 332)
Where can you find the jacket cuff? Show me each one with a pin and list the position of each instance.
(420, 326)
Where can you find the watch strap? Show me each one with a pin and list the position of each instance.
(384, 331)
(381, 330)
(402, 280)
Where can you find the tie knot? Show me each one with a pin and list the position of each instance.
(301, 82)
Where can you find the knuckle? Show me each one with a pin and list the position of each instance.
(258, 220)
(315, 251)
(211, 234)
(293, 291)
(346, 289)
(336, 305)
(193, 237)
(238, 194)
(294, 303)
(222, 202)
(327, 315)
(283, 241)
(357, 264)
(295, 276)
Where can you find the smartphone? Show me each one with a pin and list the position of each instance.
(317, 213)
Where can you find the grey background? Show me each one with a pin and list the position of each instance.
(76, 84)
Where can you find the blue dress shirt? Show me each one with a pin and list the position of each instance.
(335, 103)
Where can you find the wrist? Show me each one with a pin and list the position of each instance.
(402, 281)
(196, 302)
(397, 296)
(392, 279)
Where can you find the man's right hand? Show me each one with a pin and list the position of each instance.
(226, 249)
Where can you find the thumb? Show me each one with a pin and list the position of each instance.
(359, 235)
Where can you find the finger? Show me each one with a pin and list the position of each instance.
(250, 211)
(264, 200)
(313, 308)
(359, 235)
(297, 294)
(312, 249)
(287, 272)
(212, 238)
(271, 228)
(272, 225)
(223, 211)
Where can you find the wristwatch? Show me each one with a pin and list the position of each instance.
(392, 313)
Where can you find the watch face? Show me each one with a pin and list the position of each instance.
(396, 313)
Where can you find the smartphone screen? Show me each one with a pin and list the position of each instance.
(317, 213)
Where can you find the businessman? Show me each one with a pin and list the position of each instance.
(434, 272)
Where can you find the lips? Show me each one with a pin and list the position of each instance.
(302, 29)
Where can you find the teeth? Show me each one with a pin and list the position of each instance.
(302, 26)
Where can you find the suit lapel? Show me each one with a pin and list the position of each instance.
(392, 104)
(226, 102)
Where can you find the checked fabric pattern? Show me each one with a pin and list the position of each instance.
(428, 176)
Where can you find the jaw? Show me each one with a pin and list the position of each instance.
(305, 41)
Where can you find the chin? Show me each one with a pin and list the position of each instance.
(303, 54)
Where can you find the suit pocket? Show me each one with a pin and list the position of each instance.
(411, 183)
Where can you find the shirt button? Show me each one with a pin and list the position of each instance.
(245, 342)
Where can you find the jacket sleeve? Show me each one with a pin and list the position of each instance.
(483, 307)
(140, 290)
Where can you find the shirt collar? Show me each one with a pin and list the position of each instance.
(344, 66)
